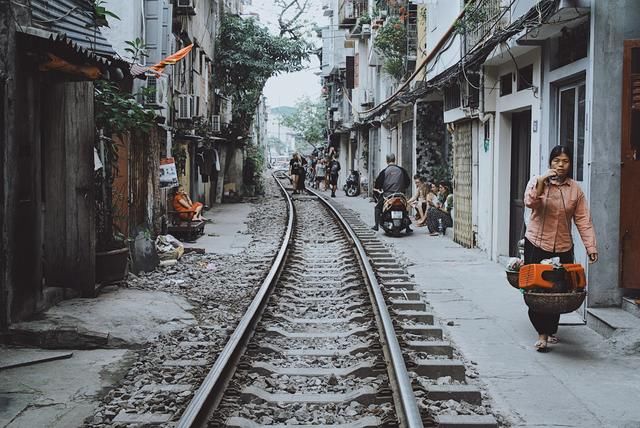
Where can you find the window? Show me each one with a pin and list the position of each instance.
(451, 97)
(571, 111)
(525, 77)
(506, 83)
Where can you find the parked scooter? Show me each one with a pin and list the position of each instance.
(395, 215)
(352, 186)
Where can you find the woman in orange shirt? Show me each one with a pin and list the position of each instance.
(555, 199)
(189, 210)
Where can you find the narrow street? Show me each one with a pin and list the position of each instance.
(349, 213)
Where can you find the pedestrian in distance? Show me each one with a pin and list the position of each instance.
(555, 199)
(334, 171)
(439, 216)
(321, 171)
(297, 173)
(392, 179)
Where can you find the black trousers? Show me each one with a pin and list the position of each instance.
(544, 323)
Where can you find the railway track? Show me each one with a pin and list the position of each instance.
(318, 345)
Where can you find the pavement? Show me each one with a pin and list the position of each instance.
(61, 386)
(585, 381)
(226, 234)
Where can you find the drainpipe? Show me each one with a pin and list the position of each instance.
(484, 117)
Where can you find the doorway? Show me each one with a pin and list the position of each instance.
(520, 171)
(630, 170)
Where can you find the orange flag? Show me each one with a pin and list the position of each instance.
(171, 59)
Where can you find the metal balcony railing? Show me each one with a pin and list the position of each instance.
(482, 20)
(351, 10)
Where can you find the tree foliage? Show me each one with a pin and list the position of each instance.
(391, 42)
(308, 121)
(247, 56)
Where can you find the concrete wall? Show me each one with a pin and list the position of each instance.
(128, 27)
(613, 21)
(440, 17)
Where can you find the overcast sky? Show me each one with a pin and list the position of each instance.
(285, 89)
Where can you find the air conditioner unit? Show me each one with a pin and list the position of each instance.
(185, 7)
(157, 96)
(337, 116)
(215, 123)
(469, 92)
(369, 98)
(185, 107)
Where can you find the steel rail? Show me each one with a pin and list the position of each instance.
(210, 393)
(410, 414)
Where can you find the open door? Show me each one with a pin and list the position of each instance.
(520, 174)
(630, 168)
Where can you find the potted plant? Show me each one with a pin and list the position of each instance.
(513, 271)
(365, 23)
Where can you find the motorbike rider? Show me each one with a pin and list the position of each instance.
(392, 179)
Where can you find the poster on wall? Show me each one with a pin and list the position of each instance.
(168, 173)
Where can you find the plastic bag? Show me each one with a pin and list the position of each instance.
(169, 248)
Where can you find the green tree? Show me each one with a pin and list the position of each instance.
(309, 122)
(247, 56)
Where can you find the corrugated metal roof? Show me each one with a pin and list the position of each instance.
(73, 21)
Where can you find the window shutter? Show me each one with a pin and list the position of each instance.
(153, 18)
(350, 72)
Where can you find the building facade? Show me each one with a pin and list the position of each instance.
(488, 88)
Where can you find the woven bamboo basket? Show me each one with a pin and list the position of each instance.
(554, 303)
(512, 278)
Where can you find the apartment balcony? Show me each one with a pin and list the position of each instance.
(350, 11)
(482, 21)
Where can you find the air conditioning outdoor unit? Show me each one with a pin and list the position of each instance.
(157, 96)
(369, 99)
(185, 7)
(185, 107)
(337, 116)
(215, 123)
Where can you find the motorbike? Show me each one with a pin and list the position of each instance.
(395, 215)
(352, 186)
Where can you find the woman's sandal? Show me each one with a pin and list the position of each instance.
(541, 346)
(552, 340)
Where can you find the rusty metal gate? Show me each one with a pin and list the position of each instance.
(462, 192)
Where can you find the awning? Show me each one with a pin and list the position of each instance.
(72, 21)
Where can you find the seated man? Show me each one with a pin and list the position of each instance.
(189, 210)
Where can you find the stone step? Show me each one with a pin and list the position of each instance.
(607, 320)
(408, 305)
(417, 316)
(466, 421)
(394, 276)
(460, 392)
(432, 347)
(424, 330)
(433, 369)
(388, 271)
(400, 285)
(404, 294)
(632, 306)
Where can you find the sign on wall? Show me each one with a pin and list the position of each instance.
(168, 173)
